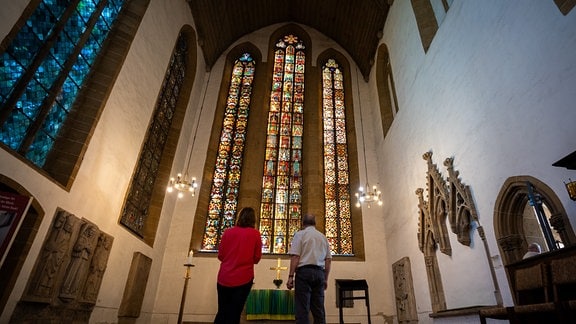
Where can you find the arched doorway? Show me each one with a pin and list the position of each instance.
(516, 223)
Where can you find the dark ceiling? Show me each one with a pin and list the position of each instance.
(354, 24)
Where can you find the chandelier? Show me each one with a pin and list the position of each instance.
(366, 195)
(184, 184)
(371, 195)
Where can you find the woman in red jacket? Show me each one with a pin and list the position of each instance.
(240, 249)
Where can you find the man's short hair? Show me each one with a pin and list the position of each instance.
(308, 219)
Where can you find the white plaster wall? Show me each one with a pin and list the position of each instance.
(495, 92)
(102, 180)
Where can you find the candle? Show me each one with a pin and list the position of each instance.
(190, 255)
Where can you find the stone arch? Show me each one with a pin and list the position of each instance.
(508, 211)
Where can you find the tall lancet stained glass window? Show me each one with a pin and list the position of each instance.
(44, 67)
(336, 170)
(136, 207)
(226, 180)
(281, 207)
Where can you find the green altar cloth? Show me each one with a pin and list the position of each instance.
(270, 304)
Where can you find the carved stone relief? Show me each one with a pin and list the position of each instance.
(447, 200)
(66, 279)
(427, 245)
(404, 292)
(97, 268)
(461, 205)
(52, 257)
(437, 204)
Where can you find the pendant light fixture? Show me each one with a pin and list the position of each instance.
(184, 184)
(366, 195)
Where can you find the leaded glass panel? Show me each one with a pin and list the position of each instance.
(135, 212)
(223, 203)
(50, 55)
(336, 171)
(281, 208)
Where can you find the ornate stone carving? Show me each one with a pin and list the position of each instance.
(558, 224)
(437, 204)
(512, 247)
(423, 219)
(432, 230)
(461, 205)
(82, 252)
(66, 279)
(97, 268)
(54, 253)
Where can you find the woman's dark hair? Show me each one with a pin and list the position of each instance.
(246, 217)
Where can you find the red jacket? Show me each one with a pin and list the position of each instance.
(240, 249)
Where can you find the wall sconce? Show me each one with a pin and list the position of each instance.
(571, 188)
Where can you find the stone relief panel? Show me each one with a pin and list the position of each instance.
(404, 292)
(66, 279)
(97, 267)
(52, 258)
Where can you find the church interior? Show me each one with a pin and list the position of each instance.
(434, 140)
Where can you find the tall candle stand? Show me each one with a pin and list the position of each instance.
(188, 265)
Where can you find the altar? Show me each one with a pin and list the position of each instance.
(270, 304)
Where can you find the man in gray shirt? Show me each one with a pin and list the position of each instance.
(310, 260)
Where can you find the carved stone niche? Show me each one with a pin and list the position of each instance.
(66, 278)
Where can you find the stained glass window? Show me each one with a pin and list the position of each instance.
(336, 170)
(135, 211)
(226, 179)
(281, 207)
(44, 68)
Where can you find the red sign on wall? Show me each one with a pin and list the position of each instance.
(12, 209)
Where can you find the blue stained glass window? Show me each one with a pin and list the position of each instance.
(44, 67)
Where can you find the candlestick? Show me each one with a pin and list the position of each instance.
(188, 265)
